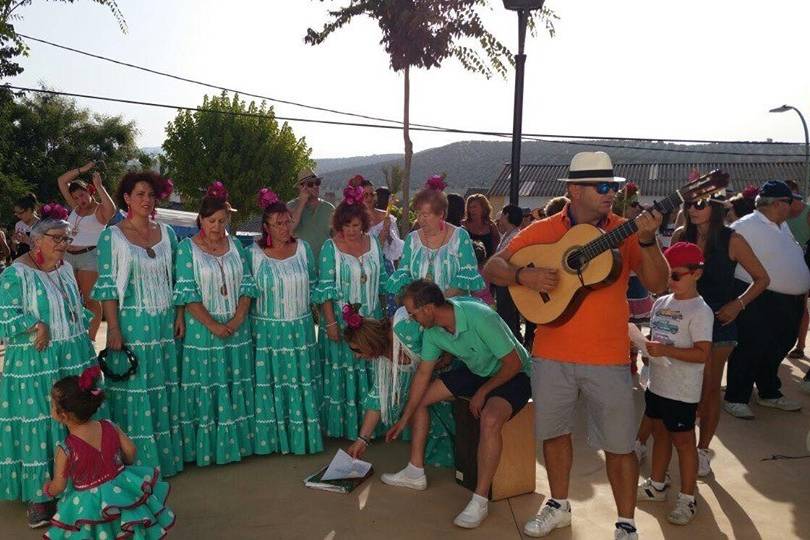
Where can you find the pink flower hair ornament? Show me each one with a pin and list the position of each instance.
(356, 180)
(351, 316)
(54, 211)
(352, 195)
(167, 189)
(266, 197)
(630, 188)
(436, 183)
(217, 191)
(88, 378)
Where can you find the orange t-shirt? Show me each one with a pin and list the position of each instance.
(597, 332)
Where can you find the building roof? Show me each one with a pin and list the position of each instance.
(653, 179)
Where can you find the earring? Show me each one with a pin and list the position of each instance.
(441, 225)
(269, 242)
(39, 258)
(202, 232)
(129, 213)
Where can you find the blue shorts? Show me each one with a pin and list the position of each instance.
(464, 383)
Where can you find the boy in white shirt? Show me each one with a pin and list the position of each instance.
(680, 346)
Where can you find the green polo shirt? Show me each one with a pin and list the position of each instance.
(481, 339)
(314, 225)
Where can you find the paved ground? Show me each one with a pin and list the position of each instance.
(264, 497)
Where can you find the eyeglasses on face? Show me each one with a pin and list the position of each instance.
(602, 188)
(60, 238)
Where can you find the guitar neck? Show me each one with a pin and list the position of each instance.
(614, 238)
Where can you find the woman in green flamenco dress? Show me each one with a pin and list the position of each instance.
(395, 355)
(352, 271)
(44, 327)
(215, 285)
(135, 284)
(288, 367)
(437, 251)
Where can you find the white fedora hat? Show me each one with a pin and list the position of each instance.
(591, 167)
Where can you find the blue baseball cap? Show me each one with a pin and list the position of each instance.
(776, 189)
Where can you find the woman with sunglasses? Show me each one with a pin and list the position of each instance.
(25, 210)
(215, 286)
(395, 355)
(438, 251)
(44, 327)
(87, 219)
(352, 271)
(723, 249)
(288, 366)
(134, 286)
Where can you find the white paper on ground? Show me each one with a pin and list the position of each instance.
(637, 338)
(344, 466)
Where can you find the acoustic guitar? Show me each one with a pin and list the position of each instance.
(587, 258)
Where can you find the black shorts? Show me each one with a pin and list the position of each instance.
(677, 415)
(464, 383)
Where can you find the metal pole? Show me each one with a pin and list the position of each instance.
(517, 123)
(806, 153)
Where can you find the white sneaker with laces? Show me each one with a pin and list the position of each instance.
(400, 479)
(738, 410)
(625, 531)
(641, 451)
(684, 511)
(704, 462)
(472, 516)
(648, 492)
(781, 403)
(551, 516)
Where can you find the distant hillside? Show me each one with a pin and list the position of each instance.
(477, 163)
(327, 165)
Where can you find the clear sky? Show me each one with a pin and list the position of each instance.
(638, 68)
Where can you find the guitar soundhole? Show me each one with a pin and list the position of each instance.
(573, 260)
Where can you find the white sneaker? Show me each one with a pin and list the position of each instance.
(684, 511)
(704, 462)
(804, 386)
(648, 492)
(400, 479)
(550, 517)
(625, 531)
(738, 410)
(781, 403)
(472, 516)
(641, 451)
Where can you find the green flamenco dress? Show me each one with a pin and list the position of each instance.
(288, 367)
(28, 435)
(147, 404)
(216, 374)
(107, 500)
(451, 266)
(345, 279)
(392, 382)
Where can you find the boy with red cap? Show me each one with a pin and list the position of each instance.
(680, 345)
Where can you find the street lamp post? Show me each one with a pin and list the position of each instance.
(786, 108)
(523, 7)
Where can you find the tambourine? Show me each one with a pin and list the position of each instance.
(133, 365)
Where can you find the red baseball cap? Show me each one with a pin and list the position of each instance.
(684, 254)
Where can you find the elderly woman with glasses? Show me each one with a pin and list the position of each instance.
(45, 328)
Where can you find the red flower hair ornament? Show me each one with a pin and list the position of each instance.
(352, 194)
(351, 316)
(88, 378)
(217, 191)
(266, 198)
(436, 183)
(750, 192)
(54, 211)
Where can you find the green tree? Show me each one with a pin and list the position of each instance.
(238, 143)
(393, 178)
(43, 136)
(424, 33)
(12, 46)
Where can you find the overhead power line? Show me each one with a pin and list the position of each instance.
(385, 126)
(377, 118)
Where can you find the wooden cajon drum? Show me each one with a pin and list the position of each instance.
(516, 470)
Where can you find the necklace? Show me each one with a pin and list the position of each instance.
(363, 277)
(60, 287)
(223, 289)
(79, 221)
(432, 253)
(149, 250)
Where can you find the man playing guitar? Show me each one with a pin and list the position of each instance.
(588, 353)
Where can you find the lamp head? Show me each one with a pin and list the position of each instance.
(783, 108)
(518, 5)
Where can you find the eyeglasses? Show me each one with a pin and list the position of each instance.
(312, 183)
(602, 188)
(699, 205)
(60, 238)
(355, 350)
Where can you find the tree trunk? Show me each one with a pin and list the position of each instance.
(405, 224)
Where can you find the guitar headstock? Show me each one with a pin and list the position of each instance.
(704, 186)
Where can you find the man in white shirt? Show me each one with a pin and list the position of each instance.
(768, 327)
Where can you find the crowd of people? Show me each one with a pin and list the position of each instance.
(329, 324)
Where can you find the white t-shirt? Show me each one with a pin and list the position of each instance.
(680, 323)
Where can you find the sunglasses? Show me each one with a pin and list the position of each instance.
(676, 276)
(355, 350)
(602, 188)
(59, 238)
(699, 205)
(312, 183)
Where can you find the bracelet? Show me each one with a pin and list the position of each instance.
(742, 304)
(647, 244)
(331, 324)
(366, 440)
(517, 275)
